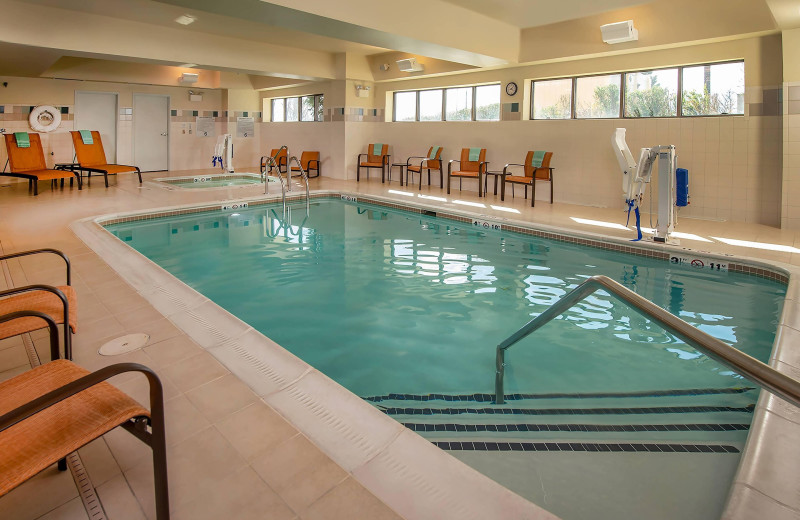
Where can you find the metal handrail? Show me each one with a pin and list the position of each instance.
(751, 368)
(305, 178)
(280, 178)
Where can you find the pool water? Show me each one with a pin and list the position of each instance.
(394, 305)
(215, 181)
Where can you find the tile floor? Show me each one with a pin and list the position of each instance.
(218, 467)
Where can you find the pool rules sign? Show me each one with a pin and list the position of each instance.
(245, 126)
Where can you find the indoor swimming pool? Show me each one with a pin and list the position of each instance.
(214, 180)
(405, 311)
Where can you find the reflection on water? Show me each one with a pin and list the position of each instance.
(385, 301)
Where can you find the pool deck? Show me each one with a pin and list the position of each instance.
(218, 466)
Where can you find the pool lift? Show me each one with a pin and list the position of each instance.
(223, 153)
(636, 177)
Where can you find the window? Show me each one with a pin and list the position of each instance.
(405, 106)
(710, 90)
(652, 93)
(597, 96)
(487, 103)
(459, 104)
(278, 110)
(478, 103)
(291, 109)
(430, 105)
(304, 108)
(552, 99)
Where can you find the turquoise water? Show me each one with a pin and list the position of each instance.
(217, 181)
(386, 301)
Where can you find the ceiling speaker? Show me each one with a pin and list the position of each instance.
(409, 65)
(619, 32)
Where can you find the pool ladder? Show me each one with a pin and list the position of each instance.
(269, 161)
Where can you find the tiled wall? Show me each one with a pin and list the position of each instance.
(790, 205)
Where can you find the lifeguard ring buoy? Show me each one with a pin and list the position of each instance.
(44, 118)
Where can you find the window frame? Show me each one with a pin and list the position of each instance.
(317, 105)
(622, 92)
(444, 104)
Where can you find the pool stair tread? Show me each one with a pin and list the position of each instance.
(592, 428)
(565, 411)
(489, 398)
(650, 447)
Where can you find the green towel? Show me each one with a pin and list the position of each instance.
(86, 136)
(536, 160)
(377, 149)
(23, 141)
(433, 153)
(474, 154)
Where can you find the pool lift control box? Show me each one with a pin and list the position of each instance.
(637, 175)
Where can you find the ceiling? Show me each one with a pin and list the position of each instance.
(532, 13)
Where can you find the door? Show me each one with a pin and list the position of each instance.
(98, 111)
(151, 132)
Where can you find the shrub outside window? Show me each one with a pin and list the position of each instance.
(278, 110)
(405, 106)
(710, 90)
(303, 108)
(487, 103)
(652, 93)
(552, 99)
(597, 96)
(458, 104)
(430, 105)
(292, 105)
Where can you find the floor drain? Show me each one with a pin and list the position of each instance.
(124, 344)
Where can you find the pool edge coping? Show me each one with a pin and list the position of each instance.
(751, 474)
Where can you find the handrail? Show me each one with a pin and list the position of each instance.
(751, 368)
(280, 178)
(305, 177)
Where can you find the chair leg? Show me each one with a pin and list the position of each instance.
(526, 192)
(358, 173)
(448, 182)
(159, 447)
(62, 465)
(139, 173)
(105, 176)
(480, 193)
(551, 190)
(441, 177)
(533, 192)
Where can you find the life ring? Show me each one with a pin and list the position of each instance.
(44, 118)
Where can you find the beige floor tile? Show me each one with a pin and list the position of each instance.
(221, 397)
(338, 504)
(72, 510)
(183, 420)
(172, 350)
(195, 371)
(40, 495)
(99, 462)
(127, 450)
(255, 429)
(8, 374)
(158, 330)
(243, 493)
(119, 501)
(136, 318)
(13, 357)
(298, 471)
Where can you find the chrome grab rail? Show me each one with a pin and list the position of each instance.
(305, 178)
(280, 178)
(751, 368)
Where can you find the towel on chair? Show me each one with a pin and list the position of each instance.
(86, 136)
(474, 154)
(23, 141)
(377, 149)
(434, 151)
(536, 160)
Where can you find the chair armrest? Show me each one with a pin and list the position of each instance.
(385, 159)
(511, 164)
(79, 385)
(51, 327)
(45, 250)
(450, 165)
(313, 161)
(362, 155)
(64, 302)
(483, 166)
(408, 161)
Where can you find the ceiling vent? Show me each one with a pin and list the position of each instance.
(619, 32)
(189, 78)
(409, 65)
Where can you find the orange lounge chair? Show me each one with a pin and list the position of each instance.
(55, 302)
(472, 166)
(433, 161)
(28, 163)
(377, 156)
(309, 161)
(92, 157)
(280, 156)
(536, 168)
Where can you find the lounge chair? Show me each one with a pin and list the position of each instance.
(309, 161)
(27, 162)
(92, 157)
(55, 302)
(280, 156)
(433, 161)
(471, 166)
(54, 409)
(536, 168)
(377, 156)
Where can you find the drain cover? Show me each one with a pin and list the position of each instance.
(124, 344)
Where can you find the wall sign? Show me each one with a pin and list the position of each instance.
(206, 127)
(245, 127)
(699, 262)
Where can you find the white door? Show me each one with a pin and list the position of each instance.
(98, 111)
(151, 132)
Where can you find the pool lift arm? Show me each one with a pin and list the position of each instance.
(223, 153)
(636, 177)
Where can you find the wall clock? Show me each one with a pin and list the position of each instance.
(511, 88)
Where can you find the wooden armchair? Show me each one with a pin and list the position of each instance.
(471, 166)
(281, 158)
(433, 161)
(377, 156)
(309, 161)
(536, 168)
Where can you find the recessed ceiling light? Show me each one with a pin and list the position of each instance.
(185, 19)
(188, 65)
